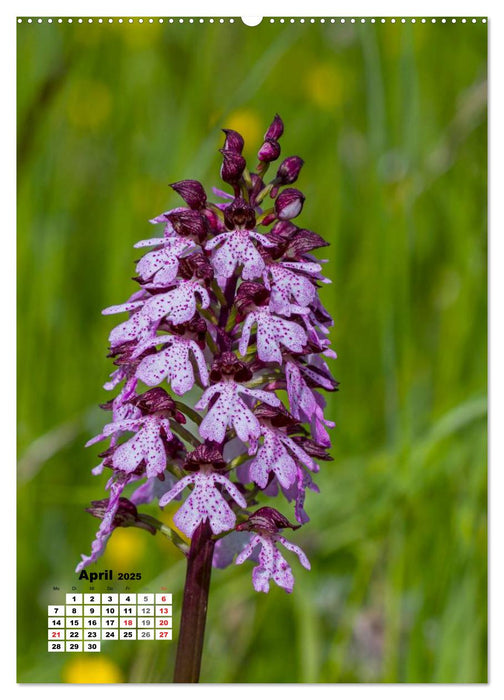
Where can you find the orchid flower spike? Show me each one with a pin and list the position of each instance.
(220, 361)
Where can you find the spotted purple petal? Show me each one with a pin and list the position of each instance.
(161, 266)
(205, 502)
(178, 305)
(272, 332)
(272, 564)
(236, 247)
(228, 411)
(173, 363)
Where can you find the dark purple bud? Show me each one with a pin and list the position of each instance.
(279, 417)
(228, 365)
(189, 223)
(289, 203)
(289, 170)
(268, 219)
(196, 265)
(125, 349)
(234, 141)
(155, 400)
(204, 455)
(284, 229)
(232, 167)
(311, 447)
(301, 241)
(250, 294)
(123, 355)
(269, 151)
(126, 515)
(192, 193)
(275, 129)
(266, 520)
(196, 327)
(239, 215)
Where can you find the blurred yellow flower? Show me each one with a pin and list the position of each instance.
(126, 548)
(324, 85)
(99, 669)
(88, 104)
(247, 123)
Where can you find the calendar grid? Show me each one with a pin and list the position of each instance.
(85, 620)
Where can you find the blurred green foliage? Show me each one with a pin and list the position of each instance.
(391, 121)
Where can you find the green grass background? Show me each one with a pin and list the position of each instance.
(391, 121)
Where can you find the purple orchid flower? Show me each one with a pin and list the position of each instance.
(272, 564)
(146, 444)
(274, 456)
(110, 519)
(204, 502)
(230, 410)
(179, 304)
(237, 247)
(173, 363)
(272, 332)
(286, 284)
(161, 265)
(267, 522)
(307, 404)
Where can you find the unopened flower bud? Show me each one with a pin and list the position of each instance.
(312, 448)
(155, 400)
(266, 520)
(232, 167)
(125, 516)
(275, 129)
(234, 141)
(191, 192)
(278, 416)
(269, 151)
(284, 229)
(189, 223)
(303, 241)
(289, 203)
(289, 170)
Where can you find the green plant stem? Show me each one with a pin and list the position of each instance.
(185, 434)
(165, 530)
(194, 606)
